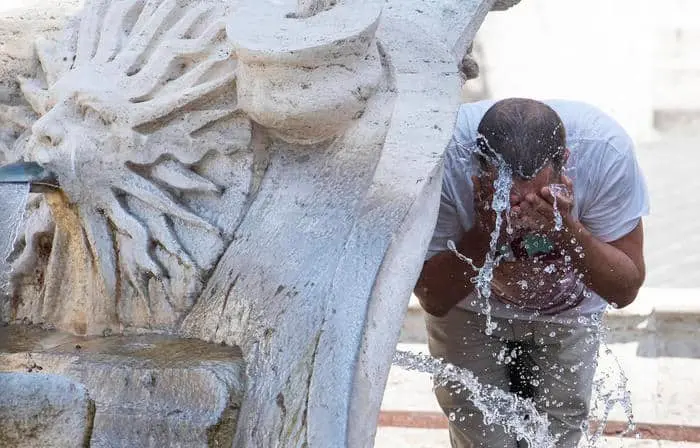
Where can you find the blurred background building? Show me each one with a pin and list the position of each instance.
(636, 59)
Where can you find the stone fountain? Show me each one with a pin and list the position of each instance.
(242, 196)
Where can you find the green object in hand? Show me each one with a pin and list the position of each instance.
(535, 244)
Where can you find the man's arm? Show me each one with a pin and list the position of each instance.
(614, 270)
(613, 236)
(445, 280)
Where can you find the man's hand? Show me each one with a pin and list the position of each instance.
(484, 216)
(445, 279)
(536, 211)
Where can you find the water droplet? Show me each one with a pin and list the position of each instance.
(517, 416)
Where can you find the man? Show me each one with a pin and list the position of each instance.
(571, 244)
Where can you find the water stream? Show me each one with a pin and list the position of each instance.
(556, 190)
(610, 389)
(13, 203)
(516, 415)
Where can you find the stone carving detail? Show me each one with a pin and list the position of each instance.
(143, 113)
(135, 105)
(306, 79)
(259, 173)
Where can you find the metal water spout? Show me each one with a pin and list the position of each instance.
(40, 180)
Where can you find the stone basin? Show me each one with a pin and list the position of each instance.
(142, 390)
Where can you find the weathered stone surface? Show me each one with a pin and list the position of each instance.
(39, 410)
(148, 391)
(315, 303)
(21, 22)
(306, 79)
(260, 173)
(502, 5)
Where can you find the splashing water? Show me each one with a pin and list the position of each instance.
(607, 393)
(500, 205)
(557, 189)
(516, 415)
(13, 202)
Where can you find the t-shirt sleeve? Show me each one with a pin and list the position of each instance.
(448, 226)
(621, 199)
(455, 214)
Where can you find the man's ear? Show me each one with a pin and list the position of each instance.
(565, 158)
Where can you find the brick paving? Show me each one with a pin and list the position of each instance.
(643, 431)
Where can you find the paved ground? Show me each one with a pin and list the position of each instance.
(660, 357)
(671, 166)
(434, 438)
(659, 353)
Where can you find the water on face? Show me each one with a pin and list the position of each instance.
(556, 190)
(518, 416)
(13, 202)
(500, 205)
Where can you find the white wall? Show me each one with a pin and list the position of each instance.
(599, 51)
(677, 59)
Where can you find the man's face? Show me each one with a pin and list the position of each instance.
(519, 192)
(523, 187)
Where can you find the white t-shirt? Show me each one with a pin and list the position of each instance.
(610, 194)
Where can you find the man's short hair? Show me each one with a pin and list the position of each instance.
(526, 133)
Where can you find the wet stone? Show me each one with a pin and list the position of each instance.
(50, 411)
(148, 390)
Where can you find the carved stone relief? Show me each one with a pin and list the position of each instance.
(263, 174)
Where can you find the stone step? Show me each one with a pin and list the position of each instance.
(55, 411)
(654, 310)
(677, 120)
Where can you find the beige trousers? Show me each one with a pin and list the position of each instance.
(554, 364)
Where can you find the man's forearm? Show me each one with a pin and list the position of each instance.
(442, 284)
(606, 270)
(445, 280)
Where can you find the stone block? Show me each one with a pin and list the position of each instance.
(235, 172)
(40, 410)
(148, 391)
